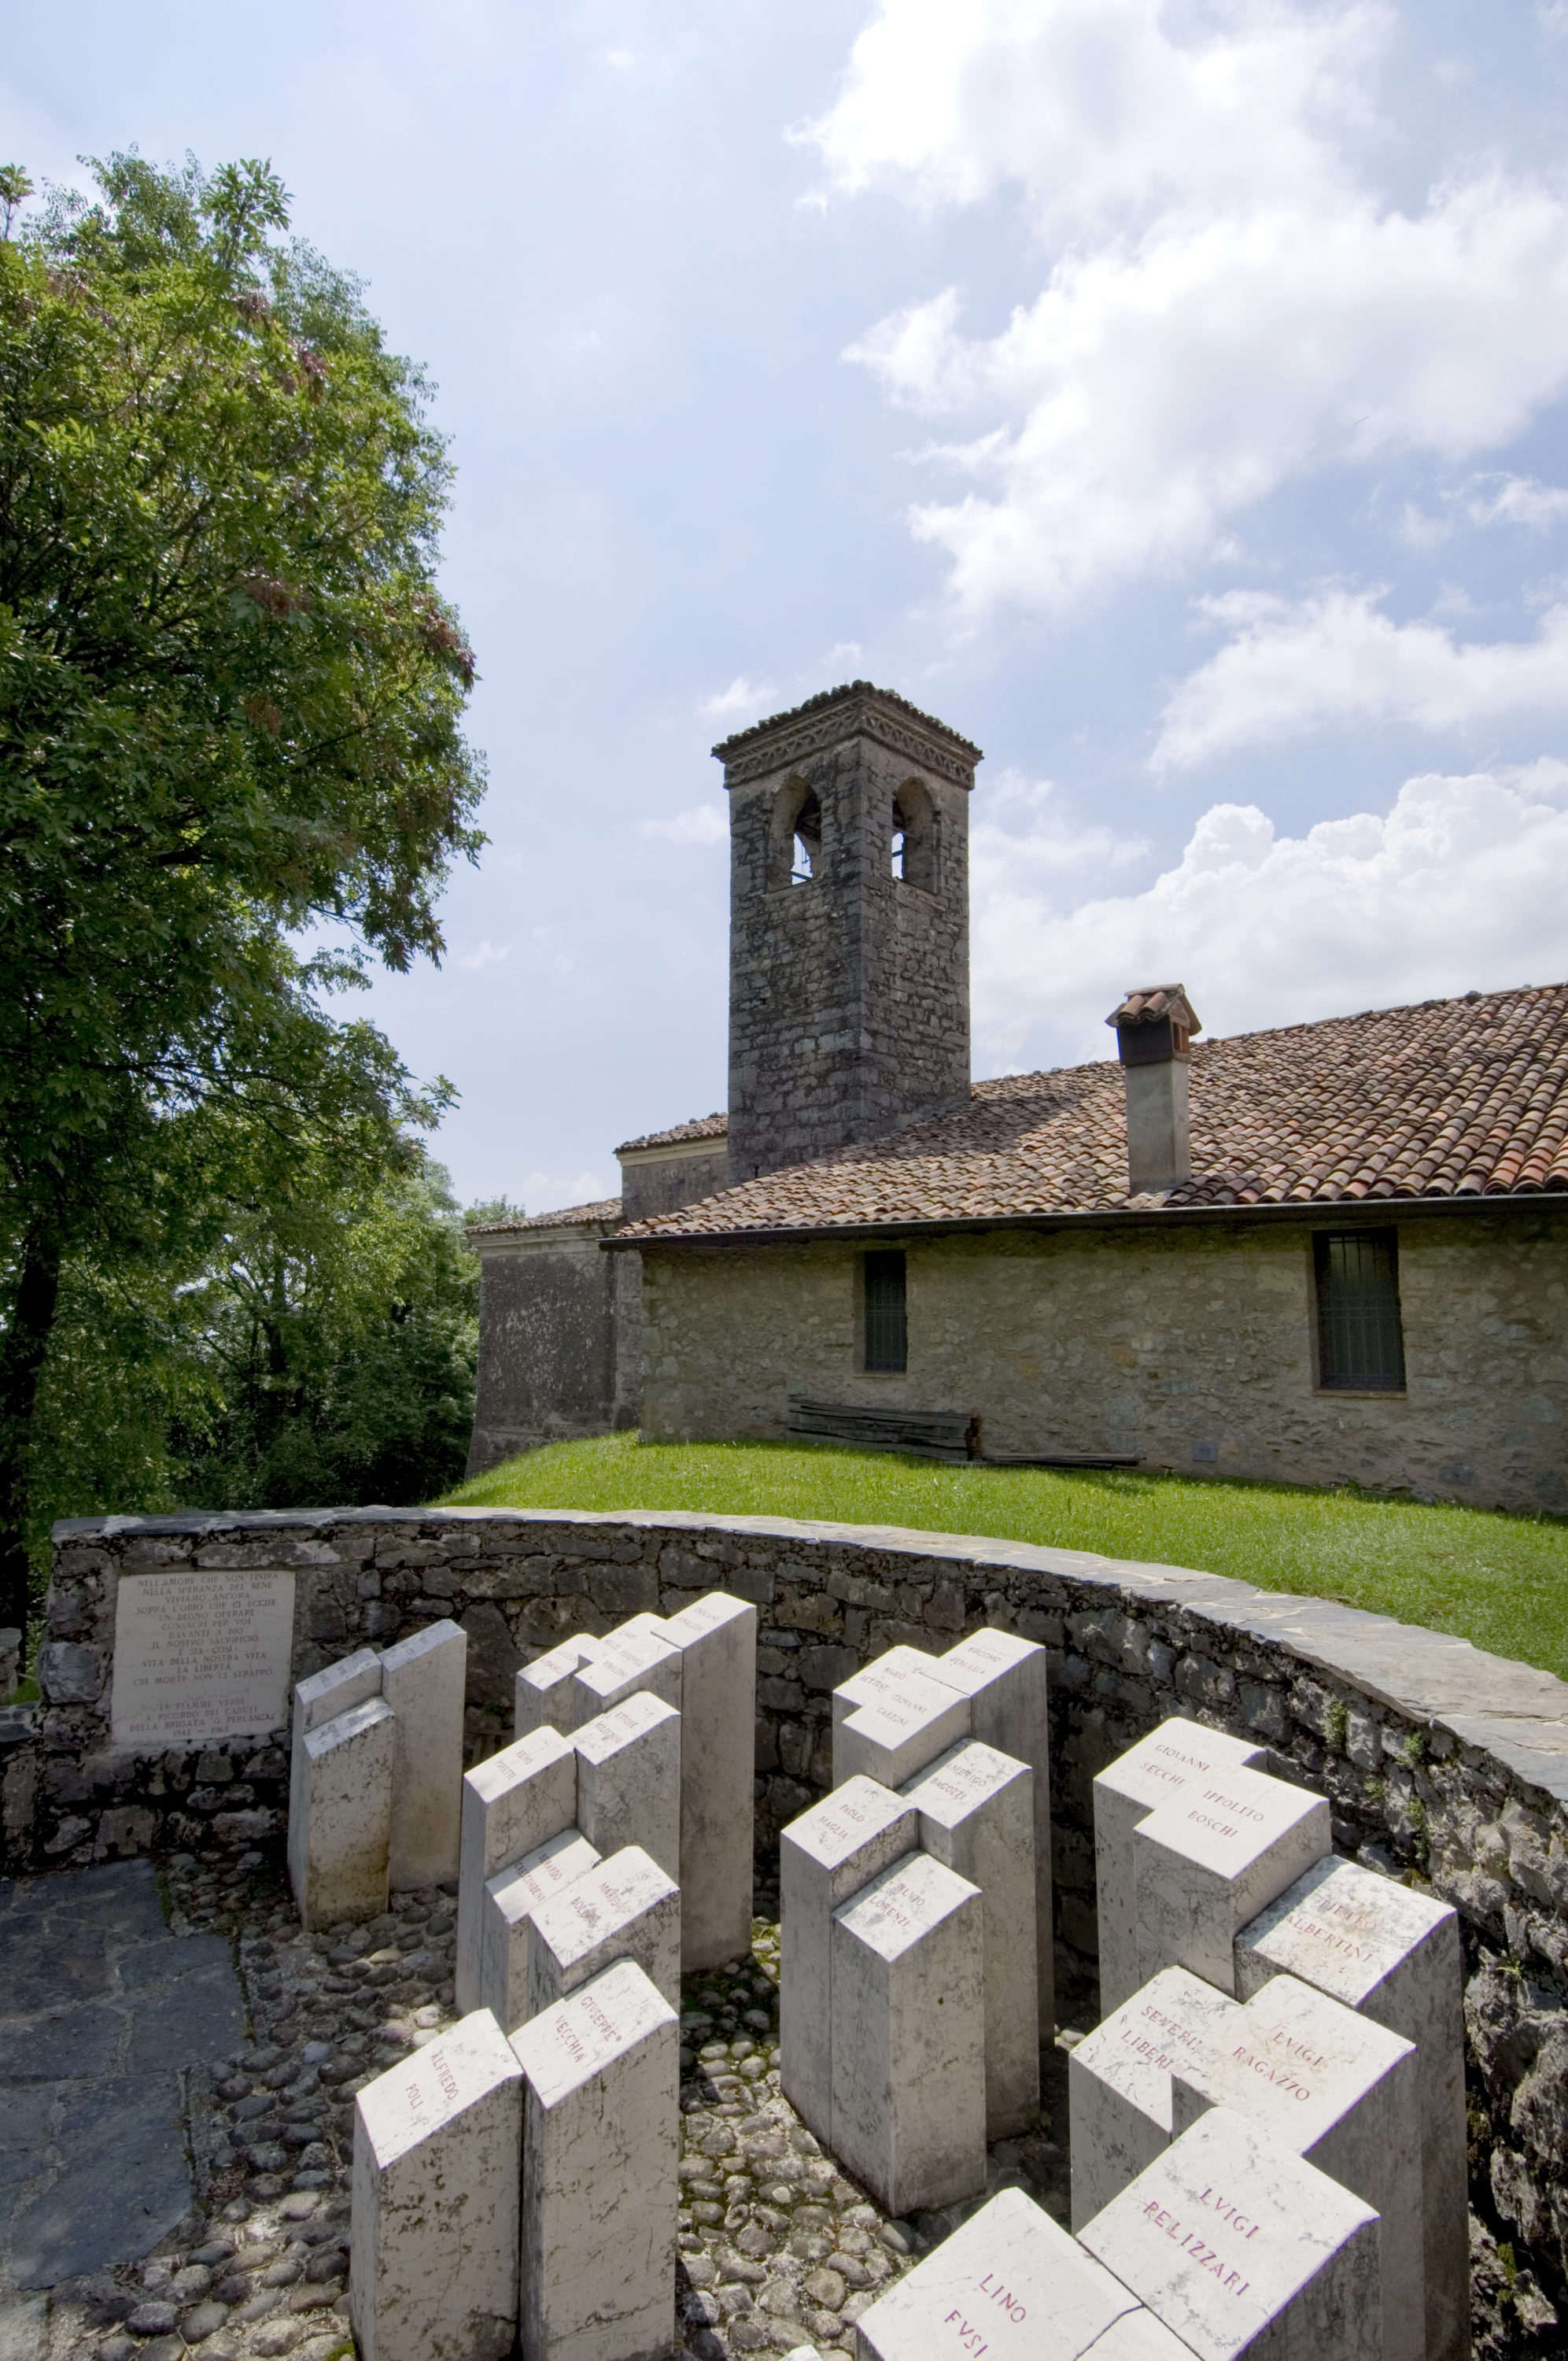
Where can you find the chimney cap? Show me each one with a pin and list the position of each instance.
(1155, 1004)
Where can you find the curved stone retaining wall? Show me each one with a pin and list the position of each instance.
(1443, 1765)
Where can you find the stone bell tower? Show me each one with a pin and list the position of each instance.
(848, 924)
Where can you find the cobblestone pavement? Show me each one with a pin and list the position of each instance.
(777, 2248)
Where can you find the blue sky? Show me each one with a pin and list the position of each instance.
(1171, 398)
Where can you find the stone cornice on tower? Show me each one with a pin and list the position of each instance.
(858, 708)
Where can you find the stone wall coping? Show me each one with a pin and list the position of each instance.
(1489, 1704)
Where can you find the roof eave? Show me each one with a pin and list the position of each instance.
(1342, 1211)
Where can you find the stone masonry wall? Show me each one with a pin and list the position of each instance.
(1444, 1766)
(548, 1315)
(1163, 1342)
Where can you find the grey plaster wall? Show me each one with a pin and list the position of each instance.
(547, 1341)
(660, 1182)
(1168, 1343)
(849, 994)
(1444, 1766)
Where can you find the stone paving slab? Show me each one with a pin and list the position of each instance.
(100, 2009)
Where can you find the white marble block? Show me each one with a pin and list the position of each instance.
(1394, 1957)
(892, 1737)
(600, 2144)
(1341, 2091)
(1120, 2106)
(433, 2246)
(1206, 1863)
(511, 1899)
(908, 2001)
(826, 1856)
(625, 1662)
(346, 1820)
(629, 1779)
(1158, 1769)
(320, 1698)
(512, 1803)
(718, 1640)
(977, 1818)
(1004, 1679)
(625, 1908)
(424, 1680)
(880, 1679)
(1240, 2247)
(542, 1692)
(1009, 2284)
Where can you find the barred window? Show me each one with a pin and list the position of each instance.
(1360, 1347)
(887, 1333)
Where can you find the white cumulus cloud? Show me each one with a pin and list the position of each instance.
(740, 702)
(1226, 303)
(702, 824)
(1460, 885)
(1336, 662)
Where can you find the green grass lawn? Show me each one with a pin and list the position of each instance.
(1499, 1581)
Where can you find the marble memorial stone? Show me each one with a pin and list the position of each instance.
(318, 1699)
(511, 1900)
(339, 1866)
(883, 1678)
(977, 1818)
(1341, 2091)
(1394, 1956)
(826, 1856)
(622, 1663)
(629, 1779)
(908, 2037)
(1138, 2336)
(1008, 2285)
(625, 1908)
(511, 1805)
(1158, 1769)
(600, 2144)
(1004, 1679)
(424, 1680)
(1120, 2104)
(1240, 2247)
(200, 1657)
(433, 2245)
(1206, 1863)
(893, 1736)
(541, 1693)
(718, 1640)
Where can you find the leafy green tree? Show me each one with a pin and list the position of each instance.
(230, 705)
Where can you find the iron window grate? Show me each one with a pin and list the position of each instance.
(887, 1328)
(1361, 1348)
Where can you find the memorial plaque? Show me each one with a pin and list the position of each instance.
(1205, 1864)
(1004, 1679)
(893, 1736)
(1240, 2247)
(629, 1779)
(602, 2137)
(1158, 1769)
(625, 1662)
(908, 1997)
(1119, 2078)
(881, 1679)
(433, 2250)
(511, 1900)
(200, 1657)
(826, 1856)
(541, 1696)
(625, 1908)
(1342, 2093)
(1394, 1956)
(1008, 2285)
(977, 1818)
(716, 1636)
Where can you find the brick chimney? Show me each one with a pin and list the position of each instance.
(1153, 1028)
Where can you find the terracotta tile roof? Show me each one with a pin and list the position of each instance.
(702, 1126)
(1452, 1098)
(603, 1209)
(827, 697)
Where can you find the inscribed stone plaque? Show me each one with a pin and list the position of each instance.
(202, 1656)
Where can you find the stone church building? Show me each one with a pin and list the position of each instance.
(1332, 1253)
